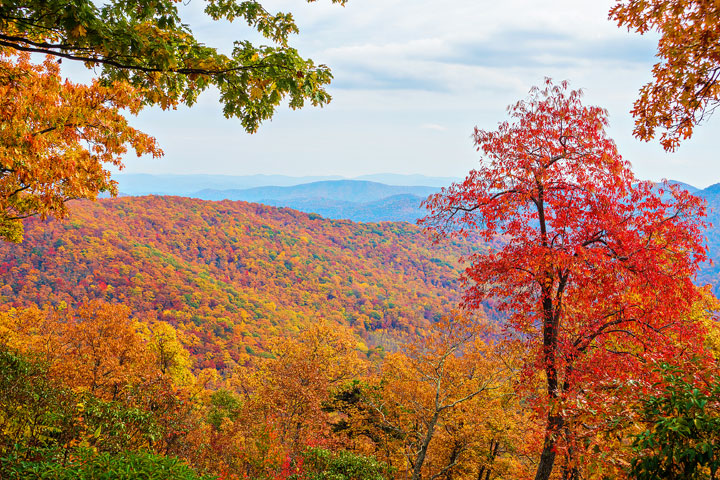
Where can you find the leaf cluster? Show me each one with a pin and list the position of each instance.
(682, 429)
(49, 431)
(86, 465)
(686, 81)
(55, 138)
(322, 464)
(147, 45)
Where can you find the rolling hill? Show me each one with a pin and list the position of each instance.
(234, 275)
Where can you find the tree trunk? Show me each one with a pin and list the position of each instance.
(550, 340)
(547, 458)
(420, 459)
(570, 469)
(492, 459)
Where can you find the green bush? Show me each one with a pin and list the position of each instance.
(682, 436)
(104, 466)
(35, 413)
(50, 432)
(321, 464)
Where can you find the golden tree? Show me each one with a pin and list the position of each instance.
(56, 138)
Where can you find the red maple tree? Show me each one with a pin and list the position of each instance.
(590, 267)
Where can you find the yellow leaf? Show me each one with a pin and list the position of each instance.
(78, 31)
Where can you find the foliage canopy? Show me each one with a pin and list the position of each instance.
(686, 82)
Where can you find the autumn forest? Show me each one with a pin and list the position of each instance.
(550, 316)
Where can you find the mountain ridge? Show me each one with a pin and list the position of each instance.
(356, 191)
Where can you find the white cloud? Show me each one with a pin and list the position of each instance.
(433, 126)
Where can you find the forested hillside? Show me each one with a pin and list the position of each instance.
(231, 275)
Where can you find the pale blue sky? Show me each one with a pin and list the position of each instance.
(412, 79)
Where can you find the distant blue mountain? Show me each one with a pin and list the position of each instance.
(187, 185)
(710, 191)
(398, 179)
(684, 186)
(711, 273)
(356, 191)
(357, 200)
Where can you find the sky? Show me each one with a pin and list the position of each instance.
(412, 80)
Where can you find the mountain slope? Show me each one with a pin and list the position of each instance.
(397, 208)
(233, 275)
(710, 272)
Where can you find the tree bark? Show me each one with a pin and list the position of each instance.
(570, 469)
(420, 459)
(485, 470)
(547, 458)
(554, 421)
